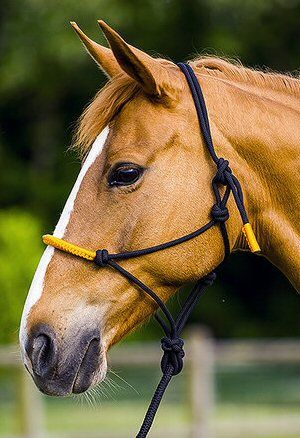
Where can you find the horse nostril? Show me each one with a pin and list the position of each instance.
(43, 354)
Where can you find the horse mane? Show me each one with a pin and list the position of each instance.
(236, 71)
(119, 91)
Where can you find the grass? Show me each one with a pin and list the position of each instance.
(253, 401)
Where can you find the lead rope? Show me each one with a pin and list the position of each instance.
(172, 344)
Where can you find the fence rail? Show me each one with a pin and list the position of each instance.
(203, 354)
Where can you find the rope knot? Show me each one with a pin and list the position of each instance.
(223, 168)
(220, 213)
(173, 354)
(102, 258)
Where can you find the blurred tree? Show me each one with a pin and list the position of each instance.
(260, 33)
(47, 79)
(20, 249)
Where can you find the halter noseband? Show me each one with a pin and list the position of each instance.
(172, 344)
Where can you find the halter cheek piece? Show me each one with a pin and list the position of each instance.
(172, 344)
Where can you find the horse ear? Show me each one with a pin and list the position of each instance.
(156, 79)
(103, 56)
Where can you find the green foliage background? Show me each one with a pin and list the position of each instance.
(46, 79)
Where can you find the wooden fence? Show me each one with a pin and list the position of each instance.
(202, 355)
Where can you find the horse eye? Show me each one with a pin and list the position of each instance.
(125, 174)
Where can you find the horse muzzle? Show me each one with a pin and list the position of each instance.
(61, 367)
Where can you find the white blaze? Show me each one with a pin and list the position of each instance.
(37, 285)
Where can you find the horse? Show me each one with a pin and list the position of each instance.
(146, 179)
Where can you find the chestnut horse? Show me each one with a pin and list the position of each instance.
(146, 179)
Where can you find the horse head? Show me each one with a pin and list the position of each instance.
(145, 179)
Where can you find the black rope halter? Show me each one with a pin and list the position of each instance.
(172, 343)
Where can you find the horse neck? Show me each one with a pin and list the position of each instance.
(259, 131)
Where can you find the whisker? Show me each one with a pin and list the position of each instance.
(91, 399)
(113, 385)
(94, 394)
(100, 391)
(87, 399)
(125, 381)
(104, 391)
(110, 387)
(79, 399)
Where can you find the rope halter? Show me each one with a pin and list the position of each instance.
(172, 343)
